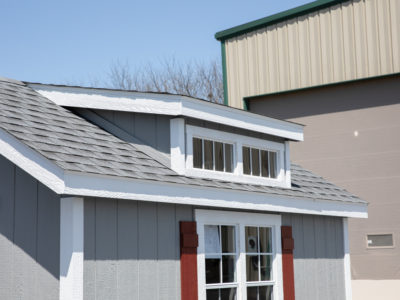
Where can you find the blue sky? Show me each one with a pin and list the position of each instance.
(75, 41)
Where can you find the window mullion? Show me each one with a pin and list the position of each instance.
(202, 154)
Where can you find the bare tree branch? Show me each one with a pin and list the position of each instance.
(192, 78)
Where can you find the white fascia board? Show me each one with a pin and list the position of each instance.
(149, 103)
(164, 104)
(242, 119)
(31, 162)
(123, 188)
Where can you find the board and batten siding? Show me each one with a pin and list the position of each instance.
(131, 249)
(29, 236)
(149, 128)
(318, 256)
(352, 40)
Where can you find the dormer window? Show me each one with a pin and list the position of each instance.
(259, 162)
(212, 155)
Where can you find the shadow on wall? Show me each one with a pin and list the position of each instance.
(329, 99)
(316, 237)
(29, 241)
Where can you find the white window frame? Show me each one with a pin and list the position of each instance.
(240, 220)
(238, 141)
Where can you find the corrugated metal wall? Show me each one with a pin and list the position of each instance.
(29, 236)
(355, 39)
(318, 256)
(132, 249)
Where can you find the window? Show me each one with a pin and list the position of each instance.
(212, 155)
(258, 162)
(238, 256)
(380, 241)
(227, 156)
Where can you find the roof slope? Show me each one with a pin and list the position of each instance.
(276, 18)
(76, 145)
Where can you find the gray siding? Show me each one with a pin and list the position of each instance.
(132, 249)
(151, 129)
(225, 128)
(318, 256)
(29, 236)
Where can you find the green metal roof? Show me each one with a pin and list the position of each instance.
(276, 18)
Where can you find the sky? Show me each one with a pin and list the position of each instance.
(76, 42)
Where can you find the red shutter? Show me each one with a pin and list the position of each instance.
(188, 244)
(287, 262)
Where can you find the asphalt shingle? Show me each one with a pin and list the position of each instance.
(77, 145)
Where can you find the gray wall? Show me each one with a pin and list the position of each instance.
(132, 249)
(367, 164)
(151, 129)
(318, 256)
(29, 236)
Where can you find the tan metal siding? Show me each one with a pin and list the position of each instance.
(352, 40)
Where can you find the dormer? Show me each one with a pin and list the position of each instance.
(194, 138)
(204, 149)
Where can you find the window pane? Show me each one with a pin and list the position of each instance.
(265, 240)
(219, 156)
(252, 293)
(272, 164)
(228, 158)
(228, 239)
(197, 153)
(228, 268)
(264, 164)
(252, 268)
(208, 155)
(213, 270)
(265, 292)
(265, 267)
(211, 239)
(255, 162)
(228, 294)
(212, 294)
(246, 160)
(251, 240)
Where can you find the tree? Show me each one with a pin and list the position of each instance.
(190, 79)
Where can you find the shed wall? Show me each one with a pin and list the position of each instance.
(131, 249)
(352, 40)
(152, 129)
(29, 236)
(318, 256)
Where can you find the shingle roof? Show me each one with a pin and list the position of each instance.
(74, 144)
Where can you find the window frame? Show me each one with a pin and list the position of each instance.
(380, 247)
(238, 141)
(240, 220)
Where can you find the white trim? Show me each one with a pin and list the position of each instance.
(78, 184)
(123, 188)
(288, 173)
(177, 136)
(240, 220)
(173, 105)
(347, 267)
(71, 248)
(31, 162)
(238, 142)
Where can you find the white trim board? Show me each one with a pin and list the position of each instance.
(71, 248)
(347, 266)
(77, 184)
(164, 104)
